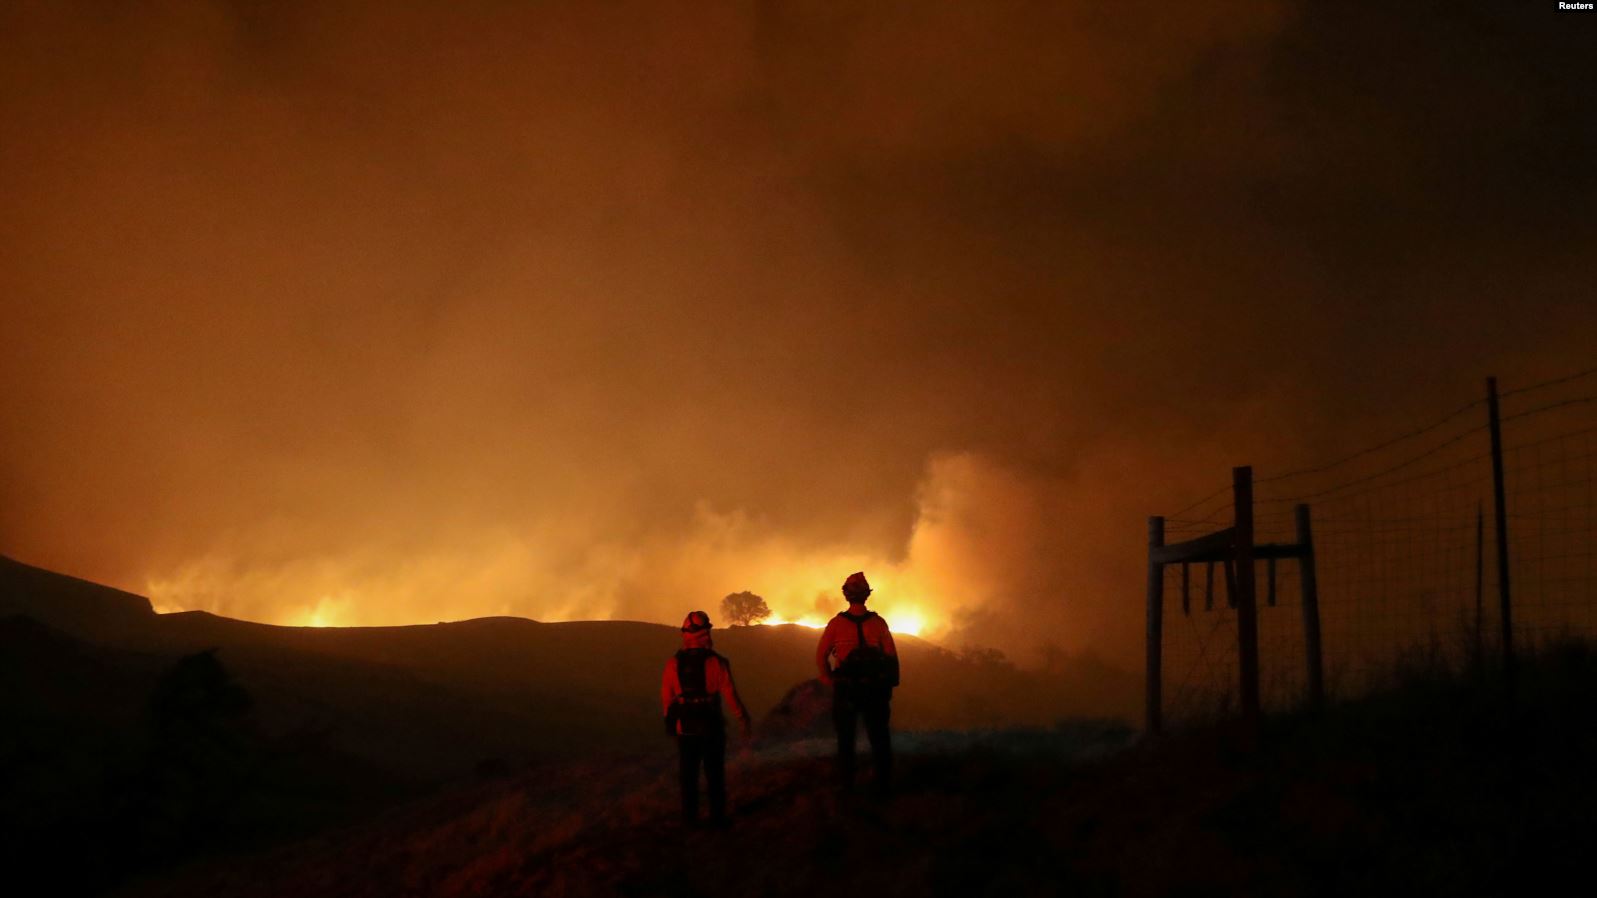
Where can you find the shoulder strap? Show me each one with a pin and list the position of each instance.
(859, 623)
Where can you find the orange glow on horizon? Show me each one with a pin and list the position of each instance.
(906, 620)
(801, 588)
(810, 622)
(328, 611)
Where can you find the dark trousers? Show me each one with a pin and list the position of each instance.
(875, 706)
(708, 751)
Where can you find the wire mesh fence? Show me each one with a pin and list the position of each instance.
(1405, 543)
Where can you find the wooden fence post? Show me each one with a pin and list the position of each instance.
(1494, 422)
(1311, 609)
(1247, 608)
(1155, 624)
(1480, 584)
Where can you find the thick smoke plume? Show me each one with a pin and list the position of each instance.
(369, 313)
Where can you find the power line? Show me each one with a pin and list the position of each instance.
(1385, 471)
(1376, 448)
(1402, 438)
(1217, 493)
(1339, 493)
(1552, 439)
(1579, 400)
(1548, 383)
(1320, 469)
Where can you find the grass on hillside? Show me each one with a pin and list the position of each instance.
(1431, 787)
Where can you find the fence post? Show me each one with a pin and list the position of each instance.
(1247, 608)
(1155, 624)
(1480, 584)
(1311, 608)
(1500, 511)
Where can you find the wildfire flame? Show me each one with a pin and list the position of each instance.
(812, 622)
(906, 621)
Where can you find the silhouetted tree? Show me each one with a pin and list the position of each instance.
(744, 608)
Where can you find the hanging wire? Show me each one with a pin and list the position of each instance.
(1552, 406)
(1385, 471)
(1398, 550)
(1214, 495)
(1548, 383)
(1373, 449)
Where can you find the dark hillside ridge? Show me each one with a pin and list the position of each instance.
(343, 721)
(514, 687)
(69, 604)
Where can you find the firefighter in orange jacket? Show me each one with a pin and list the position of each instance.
(862, 682)
(696, 685)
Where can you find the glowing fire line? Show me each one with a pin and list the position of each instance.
(904, 622)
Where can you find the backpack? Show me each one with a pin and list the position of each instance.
(867, 665)
(696, 710)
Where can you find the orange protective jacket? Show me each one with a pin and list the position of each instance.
(842, 636)
(717, 681)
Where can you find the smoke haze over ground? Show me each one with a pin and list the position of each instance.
(351, 314)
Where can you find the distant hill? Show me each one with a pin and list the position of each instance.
(431, 701)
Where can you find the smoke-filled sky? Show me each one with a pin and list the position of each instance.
(372, 313)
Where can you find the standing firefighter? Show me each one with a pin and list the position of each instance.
(862, 682)
(696, 682)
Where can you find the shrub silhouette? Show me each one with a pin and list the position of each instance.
(744, 608)
(198, 762)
